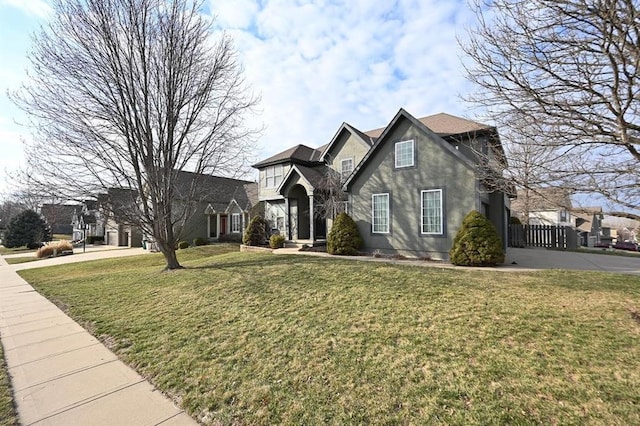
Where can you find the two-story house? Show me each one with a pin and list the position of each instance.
(408, 185)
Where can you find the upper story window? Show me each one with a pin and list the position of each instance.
(405, 154)
(273, 176)
(564, 216)
(346, 167)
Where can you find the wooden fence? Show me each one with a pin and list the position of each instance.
(542, 236)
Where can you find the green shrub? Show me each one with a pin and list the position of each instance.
(256, 232)
(25, 228)
(344, 237)
(199, 241)
(276, 241)
(183, 245)
(477, 243)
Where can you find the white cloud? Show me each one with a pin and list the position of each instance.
(38, 8)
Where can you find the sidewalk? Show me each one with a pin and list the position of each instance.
(61, 375)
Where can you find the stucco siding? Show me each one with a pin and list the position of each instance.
(435, 168)
(347, 146)
(265, 193)
(196, 225)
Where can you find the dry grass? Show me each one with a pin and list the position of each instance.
(54, 249)
(248, 338)
(8, 415)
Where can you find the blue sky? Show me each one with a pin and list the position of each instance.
(315, 64)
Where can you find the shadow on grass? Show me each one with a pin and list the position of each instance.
(264, 262)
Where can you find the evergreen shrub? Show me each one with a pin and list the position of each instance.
(256, 232)
(276, 241)
(25, 228)
(344, 237)
(477, 243)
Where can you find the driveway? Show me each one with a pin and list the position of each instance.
(540, 258)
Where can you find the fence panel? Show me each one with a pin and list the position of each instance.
(542, 236)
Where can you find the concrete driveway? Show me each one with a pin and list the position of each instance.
(540, 258)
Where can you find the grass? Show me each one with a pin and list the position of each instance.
(8, 414)
(14, 250)
(252, 338)
(16, 260)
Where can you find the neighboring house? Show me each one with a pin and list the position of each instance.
(87, 221)
(59, 217)
(409, 185)
(589, 224)
(544, 206)
(223, 206)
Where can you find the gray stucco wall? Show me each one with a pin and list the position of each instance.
(346, 146)
(435, 168)
(196, 225)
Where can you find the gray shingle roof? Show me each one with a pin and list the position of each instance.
(298, 153)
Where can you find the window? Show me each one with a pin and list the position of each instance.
(404, 154)
(273, 176)
(380, 214)
(564, 217)
(235, 222)
(346, 167)
(432, 211)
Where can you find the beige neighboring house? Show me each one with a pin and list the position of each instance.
(589, 222)
(544, 206)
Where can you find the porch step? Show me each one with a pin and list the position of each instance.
(300, 243)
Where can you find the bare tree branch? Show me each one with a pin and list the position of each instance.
(127, 93)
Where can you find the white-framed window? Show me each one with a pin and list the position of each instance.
(564, 216)
(431, 211)
(380, 213)
(235, 222)
(273, 176)
(346, 167)
(404, 154)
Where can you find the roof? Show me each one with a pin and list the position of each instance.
(313, 175)
(420, 125)
(346, 127)
(443, 124)
(542, 199)
(299, 153)
(217, 190)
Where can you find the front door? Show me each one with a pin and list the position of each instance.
(223, 225)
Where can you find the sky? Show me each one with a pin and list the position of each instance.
(315, 64)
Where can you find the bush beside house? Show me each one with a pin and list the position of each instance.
(477, 243)
(276, 241)
(344, 237)
(256, 232)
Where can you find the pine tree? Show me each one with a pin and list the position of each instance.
(477, 243)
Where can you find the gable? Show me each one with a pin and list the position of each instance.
(405, 127)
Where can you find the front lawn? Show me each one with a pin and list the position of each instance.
(251, 338)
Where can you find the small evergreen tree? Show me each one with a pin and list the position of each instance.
(477, 243)
(26, 228)
(256, 232)
(344, 237)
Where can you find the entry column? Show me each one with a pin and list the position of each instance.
(312, 234)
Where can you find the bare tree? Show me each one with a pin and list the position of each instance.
(568, 70)
(128, 93)
(330, 194)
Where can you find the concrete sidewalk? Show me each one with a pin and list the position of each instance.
(61, 375)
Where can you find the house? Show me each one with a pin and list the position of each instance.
(407, 185)
(59, 217)
(223, 206)
(589, 225)
(87, 221)
(544, 206)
